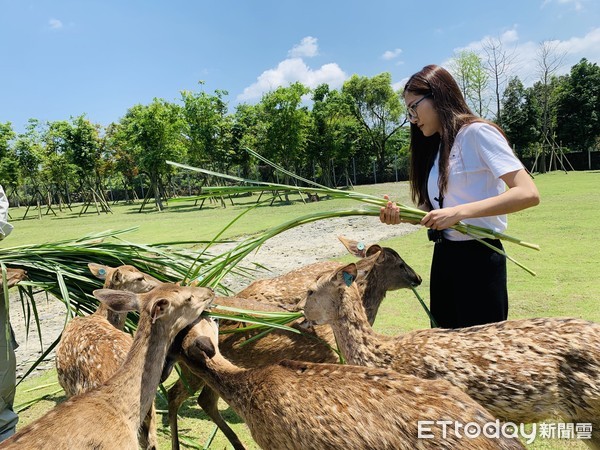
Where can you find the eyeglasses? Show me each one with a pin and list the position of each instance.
(411, 111)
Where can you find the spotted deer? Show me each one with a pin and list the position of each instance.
(523, 371)
(92, 348)
(109, 416)
(304, 406)
(13, 276)
(289, 290)
(389, 272)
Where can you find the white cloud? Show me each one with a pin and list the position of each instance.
(526, 53)
(295, 69)
(308, 47)
(289, 71)
(391, 54)
(400, 84)
(510, 36)
(588, 45)
(55, 24)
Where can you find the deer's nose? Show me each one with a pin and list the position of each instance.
(418, 281)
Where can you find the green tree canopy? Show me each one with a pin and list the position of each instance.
(578, 106)
(205, 127)
(286, 125)
(377, 107)
(518, 116)
(154, 133)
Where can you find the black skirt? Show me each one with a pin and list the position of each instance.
(468, 284)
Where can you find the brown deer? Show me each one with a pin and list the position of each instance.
(13, 276)
(523, 371)
(92, 348)
(389, 272)
(109, 416)
(297, 405)
(289, 290)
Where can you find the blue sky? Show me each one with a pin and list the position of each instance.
(62, 58)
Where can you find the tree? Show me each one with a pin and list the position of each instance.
(578, 106)
(125, 162)
(333, 134)
(29, 152)
(377, 108)
(498, 62)
(468, 70)
(9, 166)
(6, 135)
(518, 116)
(154, 133)
(549, 60)
(243, 130)
(83, 149)
(286, 125)
(205, 127)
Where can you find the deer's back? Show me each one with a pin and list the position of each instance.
(522, 370)
(89, 353)
(314, 344)
(80, 422)
(321, 406)
(289, 288)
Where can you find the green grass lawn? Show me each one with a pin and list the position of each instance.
(567, 284)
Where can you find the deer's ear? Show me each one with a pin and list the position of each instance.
(372, 249)
(159, 309)
(347, 274)
(356, 248)
(119, 301)
(99, 271)
(366, 265)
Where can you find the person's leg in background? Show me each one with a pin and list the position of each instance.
(8, 371)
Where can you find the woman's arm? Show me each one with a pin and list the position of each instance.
(521, 194)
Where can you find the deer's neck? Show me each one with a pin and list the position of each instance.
(135, 383)
(116, 319)
(359, 344)
(372, 295)
(228, 380)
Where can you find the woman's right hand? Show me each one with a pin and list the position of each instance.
(390, 214)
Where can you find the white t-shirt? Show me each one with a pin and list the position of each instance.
(479, 157)
(5, 227)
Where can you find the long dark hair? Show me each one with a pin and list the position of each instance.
(453, 113)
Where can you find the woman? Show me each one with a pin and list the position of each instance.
(461, 167)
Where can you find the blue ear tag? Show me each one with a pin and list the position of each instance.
(360, 246)
(348, 279)
(102, 272)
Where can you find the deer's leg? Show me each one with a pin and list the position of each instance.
(147, 434)
(178, 394)
(208, 401)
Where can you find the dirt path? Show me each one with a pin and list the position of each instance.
(306, 244)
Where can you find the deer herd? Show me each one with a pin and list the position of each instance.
(290, 389)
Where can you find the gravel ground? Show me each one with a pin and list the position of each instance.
(306, 244)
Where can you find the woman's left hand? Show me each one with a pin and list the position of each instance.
(440, 219)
